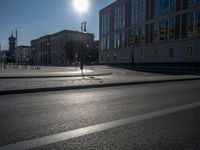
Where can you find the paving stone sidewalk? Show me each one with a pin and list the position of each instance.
(20, 84)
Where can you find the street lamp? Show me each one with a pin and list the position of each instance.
(133, 55)
(83, 30)
(81, 7)
(0, 55)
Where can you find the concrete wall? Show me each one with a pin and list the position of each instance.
(179, 48)
(124, 55)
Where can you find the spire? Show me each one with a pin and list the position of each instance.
(16, 36)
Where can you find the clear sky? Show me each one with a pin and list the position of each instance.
(35, 18)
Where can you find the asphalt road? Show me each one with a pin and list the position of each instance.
(30, 116)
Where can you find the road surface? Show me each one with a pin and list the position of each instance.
(32, 116)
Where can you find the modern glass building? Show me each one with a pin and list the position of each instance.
(150, 32)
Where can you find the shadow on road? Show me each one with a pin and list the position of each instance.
(164, 71)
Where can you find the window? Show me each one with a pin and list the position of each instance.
(105, 43)
(136, 36)
(101, 58)
(155, 31)
(142, 54)
(138, 11)
(172, 5)
(156, 8)
(143, 10)
(190, 25)
(198, 24)
(163, 30)
(190, 50)
(155, 53)
(171, 52)
(115, 57)
(119, 40)
(119, 17)
(142, 35)
(108, 57)
(164, 7)
(105, 23)
(190, 3)
(172, 28)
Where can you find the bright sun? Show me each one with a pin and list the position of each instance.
(81, 6)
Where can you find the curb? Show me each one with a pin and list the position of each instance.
(170, 71)
(56, 76)
(52, 89)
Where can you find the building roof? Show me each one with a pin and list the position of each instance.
(109, 6)
(23, 46)
(61, 32)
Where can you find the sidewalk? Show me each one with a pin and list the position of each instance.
(50, 72)
(29, 85)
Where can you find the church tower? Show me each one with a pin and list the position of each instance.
(12, 47)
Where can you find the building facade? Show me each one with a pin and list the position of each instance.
(23, 55)
(147, 32)
(61, 49)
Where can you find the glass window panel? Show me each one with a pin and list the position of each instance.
(172, 28)
(172, 5)
(156, 8)
(190, 3)
(142, 36)
(155, 31)
(155, 53)
(163, 29)
(190, 24)
(119, 17)
(198, 23)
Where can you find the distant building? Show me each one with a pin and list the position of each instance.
(23, 55)
(151, 32)
(62, 48)
(12, 48)
(4, 54)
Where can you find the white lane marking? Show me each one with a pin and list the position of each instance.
(34, 143)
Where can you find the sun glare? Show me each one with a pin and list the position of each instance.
(81, 6)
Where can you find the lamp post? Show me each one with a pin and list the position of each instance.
(0, 55)
(83, 30)
(133, 55)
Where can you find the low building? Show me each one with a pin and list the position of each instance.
(151, 32)
(62, 48)
(23, 55)
(4, 54)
